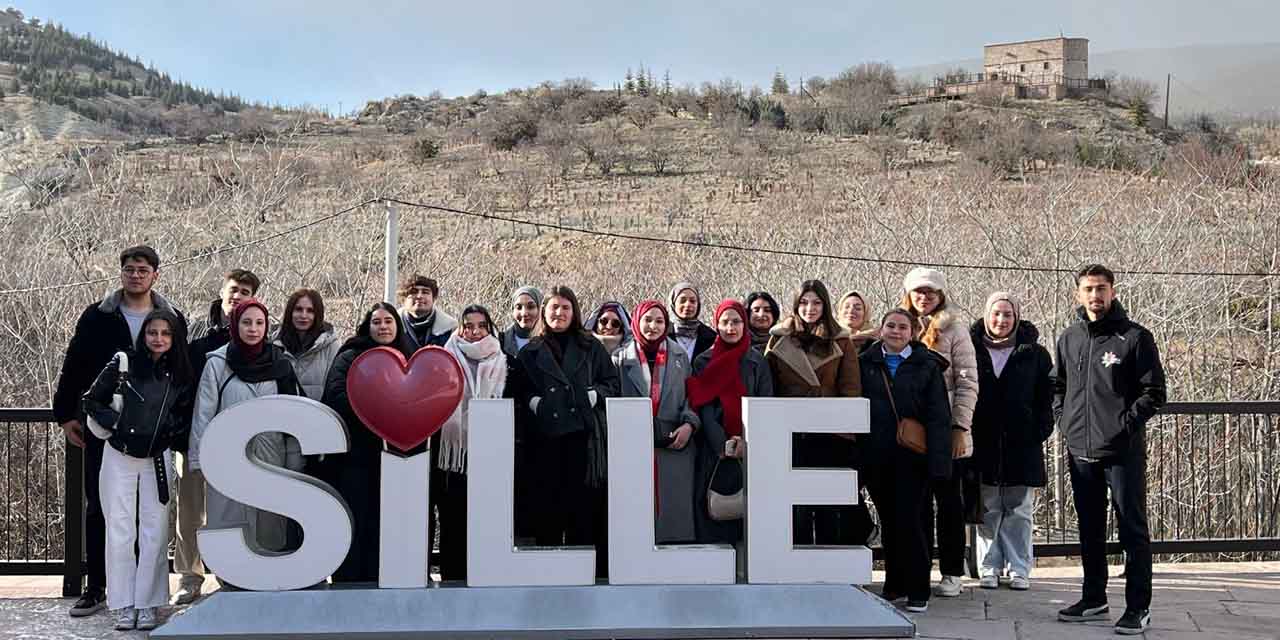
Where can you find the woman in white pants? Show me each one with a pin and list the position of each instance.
(141, 413)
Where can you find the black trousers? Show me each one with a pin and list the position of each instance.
(899, 485)
(828, 525)
(359, 486)
(950, 520)
(449, 497)
(95, 523)
(568, 510)
(1126, 476)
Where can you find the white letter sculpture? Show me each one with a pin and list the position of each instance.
(404, 543)
(317, 507)
(492, 557)
(773, 487)
(634, 558)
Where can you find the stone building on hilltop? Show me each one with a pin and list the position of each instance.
(1064, 57)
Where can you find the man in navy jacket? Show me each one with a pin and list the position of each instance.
(1108, 383)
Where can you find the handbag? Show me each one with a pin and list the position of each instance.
(723, 507)
(911, 434)
(117, 399)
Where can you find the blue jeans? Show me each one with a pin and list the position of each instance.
(1006, 529)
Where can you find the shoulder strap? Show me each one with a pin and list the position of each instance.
(221, 387)
(888, 385)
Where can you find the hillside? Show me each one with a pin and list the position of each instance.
(1225, 80)
(49, 64)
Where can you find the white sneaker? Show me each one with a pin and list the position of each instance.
(148, 618)
(188, 592)
(1019, 583)
(949, 587)
(989, 580)
(126, 619)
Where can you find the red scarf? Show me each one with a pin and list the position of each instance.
(722, 377)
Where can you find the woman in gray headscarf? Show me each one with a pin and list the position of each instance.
(686, 329)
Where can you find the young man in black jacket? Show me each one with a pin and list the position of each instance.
(1108, 382)
(208, 334)
(104, 328)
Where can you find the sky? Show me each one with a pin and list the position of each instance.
(337, 55)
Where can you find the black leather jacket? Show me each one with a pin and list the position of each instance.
(157, 411)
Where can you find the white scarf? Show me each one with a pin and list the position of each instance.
(488, 382)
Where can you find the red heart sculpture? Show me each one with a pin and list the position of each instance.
(404, 402)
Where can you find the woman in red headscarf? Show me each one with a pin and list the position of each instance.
(246, 368)
(652, 365)
(722, 376)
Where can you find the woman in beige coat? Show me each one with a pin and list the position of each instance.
(945, 334)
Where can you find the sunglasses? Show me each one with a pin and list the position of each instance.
(609, 322)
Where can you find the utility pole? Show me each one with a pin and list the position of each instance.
(1168, 81)
(391, 256)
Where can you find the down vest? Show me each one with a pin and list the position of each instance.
(1014, 415)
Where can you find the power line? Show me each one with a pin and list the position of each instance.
(207, 254)
(827, 256)
(630, 236)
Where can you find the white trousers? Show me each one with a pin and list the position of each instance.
(131, 505)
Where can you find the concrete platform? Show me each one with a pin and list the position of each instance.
(1240, 601)
(687, 611)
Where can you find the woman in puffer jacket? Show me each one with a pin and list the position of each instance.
(308, 340)
(248, 367)
(946, 335)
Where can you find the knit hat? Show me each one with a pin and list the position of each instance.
(531, 291)
(924, 277)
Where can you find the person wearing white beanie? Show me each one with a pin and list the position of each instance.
(924, 295)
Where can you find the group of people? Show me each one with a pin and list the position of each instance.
(947, 402)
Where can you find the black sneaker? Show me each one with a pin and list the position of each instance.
(1084, 612)
(917, 606)
(1133, 622)
(90, 602)
(889, 596)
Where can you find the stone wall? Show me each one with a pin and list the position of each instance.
(1068, 57)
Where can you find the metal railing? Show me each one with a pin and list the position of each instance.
(1213, 484)
(1213, 489)
(42, 516)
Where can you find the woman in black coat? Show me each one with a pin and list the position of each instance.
(1013, 418)
(355, 474)
(563, 377)
(897, 477)
(722, 376)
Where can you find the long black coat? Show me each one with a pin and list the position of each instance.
(564, 407)
(919, 392)
(1014, 415)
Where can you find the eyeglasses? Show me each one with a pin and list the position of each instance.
(137, 272)
(609, 322)
(928, 293)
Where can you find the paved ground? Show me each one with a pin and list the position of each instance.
(1240, 601)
